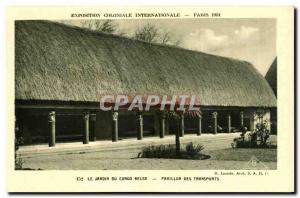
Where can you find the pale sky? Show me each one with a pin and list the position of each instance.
(252, 40)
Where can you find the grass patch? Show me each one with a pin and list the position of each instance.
(245, 154)
(191, 151)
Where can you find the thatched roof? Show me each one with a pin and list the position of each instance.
(59, 62)
(271, 76)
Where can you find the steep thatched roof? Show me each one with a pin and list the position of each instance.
(271, 76)
(59, 62)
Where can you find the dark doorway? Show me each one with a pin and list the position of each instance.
(191, 124)
(128, 125)
(69, 127)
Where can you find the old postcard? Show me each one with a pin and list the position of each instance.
(150, 99)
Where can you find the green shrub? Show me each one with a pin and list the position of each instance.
(191, 151)
(255, 139)
(18, 141)
(262, 133)
(161, 151)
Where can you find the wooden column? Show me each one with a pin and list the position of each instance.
(51, 120)
(86, 136)
(242, 118)
(252, 121)
(115, 126)
(93, 127)
(181, 125)
(229, 123)
(140, 126)
(162, 125)
(200, 125)
(215, 122)
(177, 137)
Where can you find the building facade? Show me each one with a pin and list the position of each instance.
(61, 71)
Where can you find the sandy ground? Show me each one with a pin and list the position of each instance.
(126, 160)
(123, 156)
(207, 140)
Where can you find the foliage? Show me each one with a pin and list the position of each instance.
(255, 139)
(152, 34)
(18, 141)
(191, 151)
(107, 26)
(262, 133)
(148, 33)
(177, 115)
(161, 151)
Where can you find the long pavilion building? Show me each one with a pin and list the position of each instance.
(61, 70)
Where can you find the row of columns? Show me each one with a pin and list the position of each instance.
(215, 121)
(140, 124)
(52, 135)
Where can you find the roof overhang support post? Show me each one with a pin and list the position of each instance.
(229, 123)
(115, 126)
(177, 137)
(162, 125)
(86, 136)
(215, 122)
(51, 120)
(200, 125)
(93, 122)
(181, 125)
(242, 118)
(140, 125)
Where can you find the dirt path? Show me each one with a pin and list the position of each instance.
(126, 160)
(122, 155)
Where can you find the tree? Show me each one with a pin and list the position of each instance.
(167, 37)
(107, 26)
(152, 34)
(177, 116)
(148, 33)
